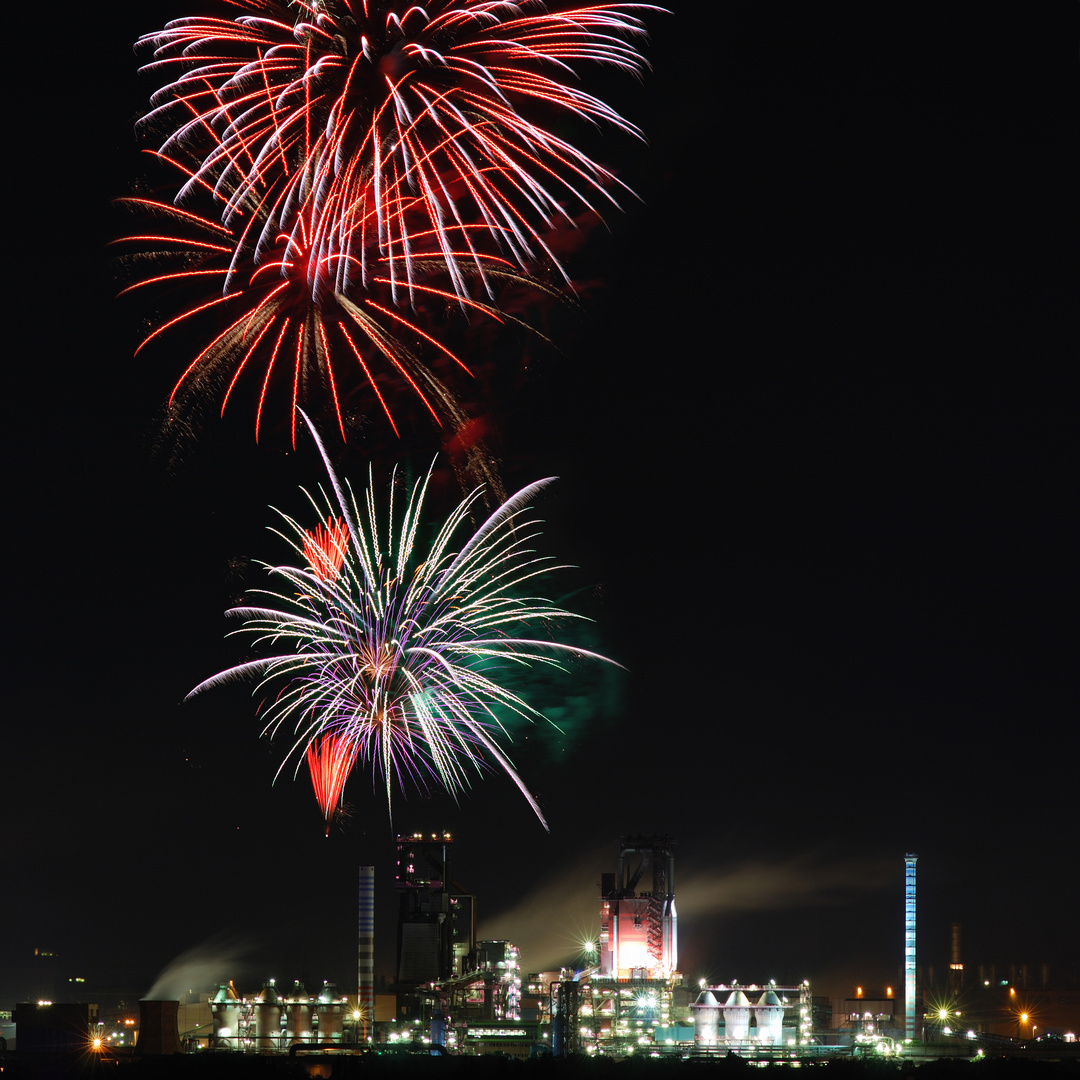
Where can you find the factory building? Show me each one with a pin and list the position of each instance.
(624, 1003)
(454, 994)
(638, 928)
(436, 931)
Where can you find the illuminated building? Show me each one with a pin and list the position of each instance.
(638, 921)
(618, 1007)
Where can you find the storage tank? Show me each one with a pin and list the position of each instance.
(268, 1018)
(329, 1016)
(737, 1018)
(298, 1016)
(225, 1010)
(769, 1012)
(706, 1013)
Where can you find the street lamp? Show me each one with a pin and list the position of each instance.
(1021, 1019)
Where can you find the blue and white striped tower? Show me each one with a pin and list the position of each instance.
(909, 945)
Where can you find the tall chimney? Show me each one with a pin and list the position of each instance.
(366, 958)
(909, 945)
(956, 964)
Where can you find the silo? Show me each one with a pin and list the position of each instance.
(330, 1015)
(298, 1016)
(706, 1012)
(769, 1012)
(737, 1018)
(268, 1018)
(225, 1010)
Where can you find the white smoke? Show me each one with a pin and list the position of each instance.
(557, 915)
(803, 881)
(200, 970)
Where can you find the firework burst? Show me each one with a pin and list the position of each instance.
(384, 123)
(330, 759)
(336, 356)
(400, 658)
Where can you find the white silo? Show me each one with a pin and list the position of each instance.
(769, 1012)
(298, 1016)
(225, 1010)
(737, 1018)
(330, 1016)
(268, 1018)
(706, 1012)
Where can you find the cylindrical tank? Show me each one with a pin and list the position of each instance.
(706, 1019)
(770, 1019)
(225, 1011)
(330, 1017)
(298, 1016)
(737, 1018)
(268, 1019)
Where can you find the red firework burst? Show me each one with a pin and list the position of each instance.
(330, 759)
(382, 123)
(263, 327)
(324, 548)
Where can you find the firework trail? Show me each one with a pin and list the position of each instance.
(400, 658)
(385, 123)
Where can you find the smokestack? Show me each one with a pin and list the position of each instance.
(909, 945)
(366, 957)
(956, 964)
(158, 1033)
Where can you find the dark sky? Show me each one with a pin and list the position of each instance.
(817, 476)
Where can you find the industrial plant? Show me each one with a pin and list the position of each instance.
(451, 993)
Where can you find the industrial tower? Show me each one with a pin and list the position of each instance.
(909, 945)
(422, 880)
(638, 929)
(365, 966)
(436, 922)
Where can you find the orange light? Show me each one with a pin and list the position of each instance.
(858, 991)
(888, 991)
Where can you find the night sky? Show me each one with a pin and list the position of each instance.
(817, 474)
